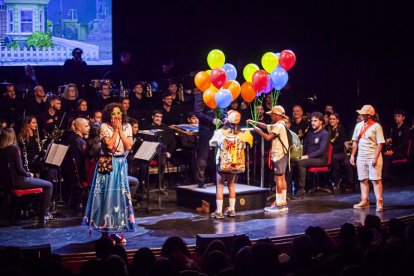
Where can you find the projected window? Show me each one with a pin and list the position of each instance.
(44, 32)
(26, 21)
(10, 17)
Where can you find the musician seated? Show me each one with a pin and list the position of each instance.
(52, 118)
(11, 106)
(37, 103)
(165, 136)
(188, 144)
(170, 110)
(96, 118)
(73, 167)
(70, 98)
(104, 97)
(29, 144)
(11, 163)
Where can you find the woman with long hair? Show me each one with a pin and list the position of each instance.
(11, 164)
(29, 144)
(109, 208)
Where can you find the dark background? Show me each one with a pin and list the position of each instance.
(349, 53)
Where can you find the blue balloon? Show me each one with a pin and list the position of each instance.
(278, 56)
(231, 71)
(279, 78)
(223, 98)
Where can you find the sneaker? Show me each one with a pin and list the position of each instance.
(380, 206)
(364, 204)
(217, 215)
(276, 207)
(230, 213)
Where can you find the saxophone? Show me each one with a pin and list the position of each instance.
(149, 91)
(123, 93)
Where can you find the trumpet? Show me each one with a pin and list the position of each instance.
(149, 91)
(348, 147)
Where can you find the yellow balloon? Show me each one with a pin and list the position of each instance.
(249, 70)
(216, 59)
(208, 72)
(213, 88)
(270, 62)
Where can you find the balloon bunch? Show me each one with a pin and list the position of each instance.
(219, 86)
(272, 79)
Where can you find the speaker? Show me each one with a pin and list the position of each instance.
(31, 252)
(203, 240)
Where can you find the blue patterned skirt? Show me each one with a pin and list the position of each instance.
(109, 207)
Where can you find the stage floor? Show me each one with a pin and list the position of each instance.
(66, 235)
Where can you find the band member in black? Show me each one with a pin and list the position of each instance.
(206, 127)
(11, 165)
(73, 167)
(30, 146)
(52, 119)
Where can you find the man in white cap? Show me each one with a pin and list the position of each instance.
(368, 138)
(279, 153)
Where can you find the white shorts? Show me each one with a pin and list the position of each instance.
(367, 171)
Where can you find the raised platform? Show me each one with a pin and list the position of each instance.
(247, 197)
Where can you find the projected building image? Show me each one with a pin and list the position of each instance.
(44, 32)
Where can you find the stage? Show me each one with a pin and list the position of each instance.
(67, 236)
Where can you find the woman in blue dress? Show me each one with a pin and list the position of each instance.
(109, 207)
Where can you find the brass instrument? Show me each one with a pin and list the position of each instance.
(123, 92)
(181, 93)
(149, 91)
(348, 147)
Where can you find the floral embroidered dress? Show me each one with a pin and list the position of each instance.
(109, 207)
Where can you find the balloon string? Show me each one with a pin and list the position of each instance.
(275, 97)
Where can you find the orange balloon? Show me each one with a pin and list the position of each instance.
(234, 88)
(209, 98)
(202, 80)
(247, 92)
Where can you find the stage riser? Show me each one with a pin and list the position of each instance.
(246, 200)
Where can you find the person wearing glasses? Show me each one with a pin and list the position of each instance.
(109, 208)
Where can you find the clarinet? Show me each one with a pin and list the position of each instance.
(25, 158)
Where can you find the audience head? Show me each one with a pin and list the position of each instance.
(173, 244)
(104, 248)
(297, 112)
(143, 260)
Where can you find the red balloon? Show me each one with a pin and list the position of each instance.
(260, 80)
(218, 77)
(287, 59)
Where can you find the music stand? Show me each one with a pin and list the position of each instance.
(147, 152)
(54, 157)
